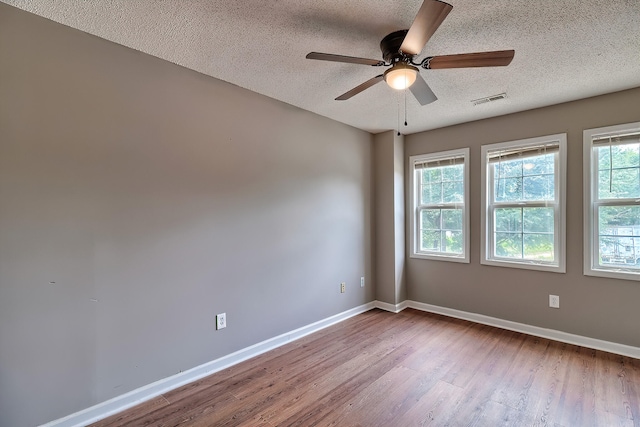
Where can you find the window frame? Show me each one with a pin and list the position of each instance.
(487, 209)
(592, 202)
(416, 207)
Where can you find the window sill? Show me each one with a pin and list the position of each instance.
(524, 265)
(449, 258)
(612, 273)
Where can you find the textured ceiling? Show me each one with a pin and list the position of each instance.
(565, 50)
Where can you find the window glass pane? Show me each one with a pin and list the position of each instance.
(442, 184)
(508, 245)
(527, 179)
(453, 173)
(452, 242)
(619, 252)
(538, 220)
(619, 236)
(621, 218)
(538, 188)
(618, 171)
(626, 182)
(603, 185)
(431, 175)
(508, 219)
(525, 233)
(624, 156)
(430, 219)
(619, 183)
(452, 192)
(452, 219)
(441, 230)
(431, 193)
(508, 190)
(538, 247)
(604, 159)
(538, 165)
(508, 168)
(430, 241)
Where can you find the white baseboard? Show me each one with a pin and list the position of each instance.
(394, 308)
(552, 334)
(144, 393)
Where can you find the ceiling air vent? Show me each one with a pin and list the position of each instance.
(489, 99)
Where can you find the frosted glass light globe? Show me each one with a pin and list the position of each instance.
(401, 76)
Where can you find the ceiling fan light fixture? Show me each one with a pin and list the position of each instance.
(401, 75)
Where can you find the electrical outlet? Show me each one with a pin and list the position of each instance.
(554, 301)
(343, 287)
(221, 321)
(362, 282)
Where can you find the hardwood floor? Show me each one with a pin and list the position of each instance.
(408, 369)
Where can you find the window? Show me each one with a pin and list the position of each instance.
(440, 218)
(612, 201)
(523, 199)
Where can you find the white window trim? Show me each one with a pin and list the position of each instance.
(589, 185)
(561, 183)
(442, 155)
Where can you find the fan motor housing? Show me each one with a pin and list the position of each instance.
(390, 46)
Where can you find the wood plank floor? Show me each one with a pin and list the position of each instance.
(408, 369)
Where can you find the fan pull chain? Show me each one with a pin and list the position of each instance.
(398, 99)
(405, 107)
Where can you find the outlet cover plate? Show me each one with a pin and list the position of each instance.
(554, 301)
(221, 321)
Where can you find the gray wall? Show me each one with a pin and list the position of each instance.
(155, 197)
(600, 308)
(138, 199)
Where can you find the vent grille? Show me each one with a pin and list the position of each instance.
(489, 99)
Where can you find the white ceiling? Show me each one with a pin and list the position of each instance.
(565, 50)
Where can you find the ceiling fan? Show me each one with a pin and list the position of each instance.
(400, 48)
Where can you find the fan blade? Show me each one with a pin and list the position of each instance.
(342, 58)
(421, 90)
(427, 21)
(498, 58)
(356, 90)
